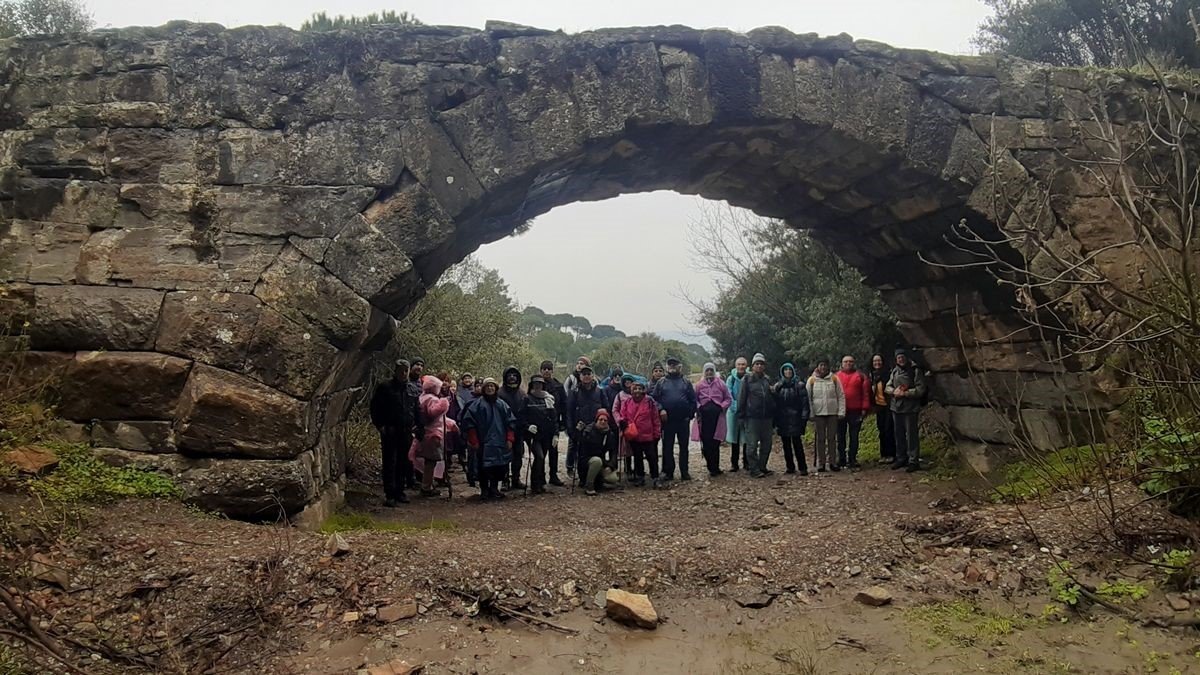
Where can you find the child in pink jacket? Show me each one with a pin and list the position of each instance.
(641, 426)
(428, 450)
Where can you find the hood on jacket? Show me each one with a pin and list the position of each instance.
(795, 375)
(507, 371)
(431, 385)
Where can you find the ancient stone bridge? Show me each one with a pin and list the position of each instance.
(208, 229)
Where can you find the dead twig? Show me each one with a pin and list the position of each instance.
(29, 640)
(491, 604)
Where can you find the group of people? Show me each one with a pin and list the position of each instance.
(615, 427)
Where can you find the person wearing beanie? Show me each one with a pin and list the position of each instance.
(393, 419)
(624, 450)
(756, 411)
(791, 417)
(541, 425)
(573, 381)
(510, 391)
(712, 400)
(582, 404)
(490, 428)
(559, 392)
(676, 398)
(734, 434)
(641, 426)
(597, 453)
(657, 372)
(857, 389)
(828, 405)
(906, 387)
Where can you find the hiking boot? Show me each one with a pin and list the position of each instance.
(538, 489)
(821, 469)
(768, 472)
(835, 467)
(555, 481)
(666, 478)
(590, 492)
(898, 465)
(803, 472)
(685, 477)
(913, 467)
(734, 468)
(790, 469)
(656, 484)
(518, 485)
(390, 503)
(431, 492)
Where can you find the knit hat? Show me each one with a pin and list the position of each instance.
(586, 360)
(418, 361)
(901, 351)
(547, 364)
(628, 377)
(710, 366)
(491, 381)
(603, 413)
(402, 363)
(758, 358)
(465, 376)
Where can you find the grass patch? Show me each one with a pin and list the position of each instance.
(355, 521)
(961, 623)
(82, 477)
(1054, 471)
(1120, 591)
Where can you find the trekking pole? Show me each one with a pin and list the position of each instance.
(446, 464)
(578, 449)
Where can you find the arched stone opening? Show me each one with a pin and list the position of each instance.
(209, 229)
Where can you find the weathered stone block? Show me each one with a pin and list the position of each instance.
(62, 153)
(305, 292)
(213, 328)
(198, 258)
(221, 413)
(122, 386)
(254, 489)
(94, 317)
(365, 259)
(162, 156)
(981, 424)
(411, 219)
(288, 356)
(65, 201)
(137, 436)
(431, 156)
(43, 253)
(283, 211)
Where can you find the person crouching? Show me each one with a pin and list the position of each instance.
(597, 453)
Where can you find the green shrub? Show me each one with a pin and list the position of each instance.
(1054, 471)
(962, 623)
(82, 477)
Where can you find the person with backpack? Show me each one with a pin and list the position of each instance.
(642, 427)
(676, 398)
(734, 434)
(880, 406)
(827, 402)
(791, 417)
(583, 401)
(559, 392)
(569, 387)
(512, 395)
(393, 420)
(490, 428)
(756, 412)
(906, 387)
(712, 400)
(597, 453)
(857, 389)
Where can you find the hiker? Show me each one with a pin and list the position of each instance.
(642, 427)
(827, 403)
(734, 434)
(597, 450)
(511, 393)
(447, 384)
(676, 399)
(412, 401)
(856, 387)
(613, 387)
(791, 417)
(906, 386)
(624, 450)
(477, 388)
(393, 420)
(657, 372)
(570, 386)
(880, 407)
(559, 392)
(541, 425)
(582, 404)
(756, 412)
(712, 400)
(427, 451)
(463, 395)
(490, 429)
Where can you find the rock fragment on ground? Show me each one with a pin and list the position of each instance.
(875, 596)
(31, 459)
(630, 608)
(405, 609)
(336, 545)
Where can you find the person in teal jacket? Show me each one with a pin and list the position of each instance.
(734, 433)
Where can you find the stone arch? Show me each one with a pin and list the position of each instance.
(207, 229)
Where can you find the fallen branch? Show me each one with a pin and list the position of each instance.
(45, 648)
(489, 603)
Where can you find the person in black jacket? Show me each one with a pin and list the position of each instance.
(676, 398)
(559, 392)
(583, 402)
(394, 421)
(791, 417)
(541, 425)
(511, 392)
(412, 403)
(597, 453)
(756, 411)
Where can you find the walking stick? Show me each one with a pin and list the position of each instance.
(446, 464)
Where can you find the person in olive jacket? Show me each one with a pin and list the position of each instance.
(791, 417)
(756, 411)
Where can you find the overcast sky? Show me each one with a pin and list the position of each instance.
(648, 229)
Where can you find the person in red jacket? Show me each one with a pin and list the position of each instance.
(641, 426)
(857, 388)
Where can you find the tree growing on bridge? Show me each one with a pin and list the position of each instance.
(323, 22)
(43, 17)
(1115, 33)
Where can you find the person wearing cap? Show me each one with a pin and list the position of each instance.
(541, 425)
(906, 387)
(827, 402)
(734, 434)
(572, 382)
(676, 398)
(582, 404)
(657, 372)
(613, 387)
(393, 420)
(570, 386)
(756, 411)
(641, 426)
(712, 400)
(597, 453)
(510, 391)
(559, 392)
(490, 428)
